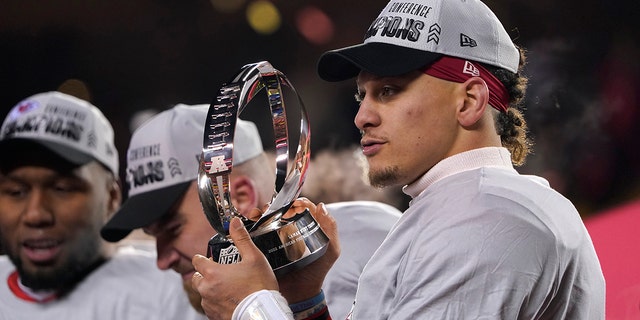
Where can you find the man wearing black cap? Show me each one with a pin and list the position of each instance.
(58, 185)
(439, 86)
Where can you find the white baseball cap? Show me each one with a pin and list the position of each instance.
(162, 161)
(407, 36)
(72, 128)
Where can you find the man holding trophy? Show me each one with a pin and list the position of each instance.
(162, 174)
(439, 87)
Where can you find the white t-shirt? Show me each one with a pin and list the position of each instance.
(362, 226)
(480, 241)
(129, 286)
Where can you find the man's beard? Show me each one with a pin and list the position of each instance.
(194, 297)
(84, 258)
(385, 177)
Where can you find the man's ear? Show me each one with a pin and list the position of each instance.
(115, 196)
(475, 101)
(115, 192)
(244, 194)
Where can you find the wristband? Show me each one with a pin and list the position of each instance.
(307, 304)
(311, 309)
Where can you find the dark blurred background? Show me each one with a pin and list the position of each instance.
(135, 57)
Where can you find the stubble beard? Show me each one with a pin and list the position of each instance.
(384, 177)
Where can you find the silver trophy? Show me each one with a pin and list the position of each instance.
(288, 243)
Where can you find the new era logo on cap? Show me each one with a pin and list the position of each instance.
(470, 69)
(466, 41)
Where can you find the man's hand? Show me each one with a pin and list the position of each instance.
(307, 282)
(223, 286)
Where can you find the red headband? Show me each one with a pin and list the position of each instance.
(460, 70)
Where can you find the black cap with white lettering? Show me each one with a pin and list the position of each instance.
(410, 35)
(72, 128)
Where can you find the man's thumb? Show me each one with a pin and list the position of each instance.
(240, 236)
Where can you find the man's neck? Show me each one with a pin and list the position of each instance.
(469, 160)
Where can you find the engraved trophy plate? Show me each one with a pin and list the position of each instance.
(288, 243)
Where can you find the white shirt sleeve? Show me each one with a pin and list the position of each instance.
(263, 305)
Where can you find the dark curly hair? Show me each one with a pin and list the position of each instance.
(511, 125)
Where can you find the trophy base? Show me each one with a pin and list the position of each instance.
(288, 244)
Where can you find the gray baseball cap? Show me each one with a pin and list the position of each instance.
(71, 128)
(407, 36)
(162, 161)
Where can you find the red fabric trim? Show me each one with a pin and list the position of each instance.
(460, 70)
(322, 314)
(12, 282)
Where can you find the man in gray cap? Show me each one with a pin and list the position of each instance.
(439, 86)
(58, 186)
(162, 168)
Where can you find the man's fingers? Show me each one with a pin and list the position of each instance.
(326, 220)
(199, 261)
(303, 203)
(241, 238)
(195, 280)
(254, 214)
(329, 227)
(298, 206)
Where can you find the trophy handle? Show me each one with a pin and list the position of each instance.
(288, 188)
(216, 161)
